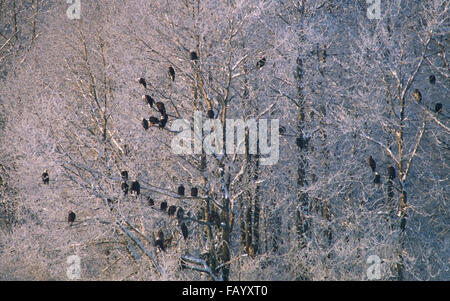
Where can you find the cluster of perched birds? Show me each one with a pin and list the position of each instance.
(163, 118)
(150, 101)
(418, 96)
(46, 180)
(377, 179)
(171, 210)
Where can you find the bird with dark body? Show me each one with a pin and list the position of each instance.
(124, 187)
(172, 73)
(142, 81)
(417, 95)
(391, 172)
(282, 130)
(372, 163)
(301, 142)
(124, 175)
(172, 210)
(261, 63)
(151, 202)
(163, 206)
(71, 217)
(163, 121)
(153, 121)
(159, 242)
(180, 213)
(193, 56)
(210, 114)
(432, 79)
(184, 231)
(161, 108)
(148, 100)
(180, 190)
(377, 179)
(145, 124)
(135, 188)
(45, 177)
(194, 192)
(438, 107)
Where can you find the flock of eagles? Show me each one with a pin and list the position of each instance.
(161, 122)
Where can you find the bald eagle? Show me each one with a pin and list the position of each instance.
(172, 73)
(184, 231)
(45, 177)
(142, 81)
(149, 100)
(181, 190)
(124, 188)
(372, 163)
(145, 124)
(194, 56)
(135, 188)
(172, 210)
(161, 108)
(417, 95)
(261, 63)
(153, 121)
(71, 217)
(124, 175)
(432, 79)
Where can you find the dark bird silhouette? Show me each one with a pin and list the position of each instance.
(124, 175)
(301, 142)
(377, 179)
(180, 190)
(172, 73)
(210, 114)
(153, 121)
(417, 95)
(71, 217)
(45, 177)
(161, 108)
(151, 202)
(184, 231)
(163, 206)
(142, 81)
(432, 79)
(194, 56)
(159, 242)
(282, 130)
(135, 188)
(438, 107)
(261, 63)
(163, 121)
(125, 188)
(149, 100)
(372, 163)
(180, 213)
(172, 210)
(194, 192)
(145, 124)
(391, 172)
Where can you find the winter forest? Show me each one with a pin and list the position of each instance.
(92, 96)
